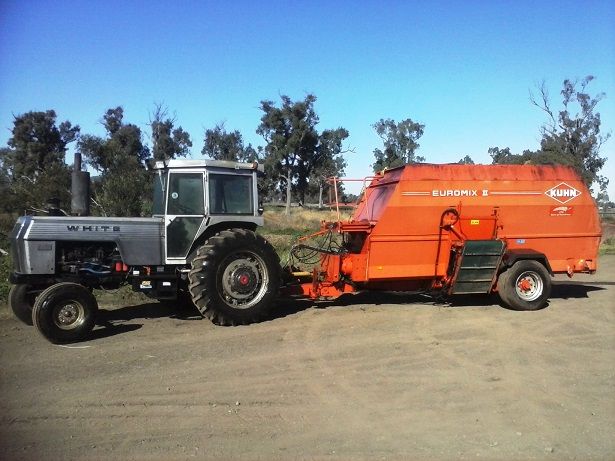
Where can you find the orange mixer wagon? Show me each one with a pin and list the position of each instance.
(457, 229)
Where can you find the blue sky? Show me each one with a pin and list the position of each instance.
(464, 69)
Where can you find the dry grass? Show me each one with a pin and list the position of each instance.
(607, 247)
(299, 219)
(282, 230)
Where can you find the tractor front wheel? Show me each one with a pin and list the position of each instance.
(65, 312)
(525, 286)
(21, 300)
(235, 277)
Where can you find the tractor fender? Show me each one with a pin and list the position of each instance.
(511, 256)
(212, 230)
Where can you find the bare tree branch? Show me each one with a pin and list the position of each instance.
(545, 106)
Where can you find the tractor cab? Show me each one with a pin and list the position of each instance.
(193, 196)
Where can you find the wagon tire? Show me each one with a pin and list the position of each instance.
(21, 301)
(525, 286)
(65, 312)
(235, 277)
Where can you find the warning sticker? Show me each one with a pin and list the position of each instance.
(561, 210)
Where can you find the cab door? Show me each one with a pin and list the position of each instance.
(185, 212)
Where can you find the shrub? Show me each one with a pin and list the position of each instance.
(5, 270)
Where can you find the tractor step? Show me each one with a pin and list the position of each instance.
(478, 266)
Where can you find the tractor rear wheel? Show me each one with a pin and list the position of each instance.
(235, 277)
(65, 312)
(525, 286)
(21, 300)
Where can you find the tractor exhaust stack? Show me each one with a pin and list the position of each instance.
(80, 189)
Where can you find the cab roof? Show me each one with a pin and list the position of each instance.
(207, 163)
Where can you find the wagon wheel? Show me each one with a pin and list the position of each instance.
(525, 286)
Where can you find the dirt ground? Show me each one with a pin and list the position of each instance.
(369, 377)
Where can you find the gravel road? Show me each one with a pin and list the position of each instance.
(373, 376)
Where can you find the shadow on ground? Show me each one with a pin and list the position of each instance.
(112, 321)
(576, 290)
(561, 290)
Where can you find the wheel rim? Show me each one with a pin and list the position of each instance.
(244, 279)
(69, 314)
(529, 286)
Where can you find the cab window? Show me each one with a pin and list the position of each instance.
(230, 194)
(186, 194)
(159, 189)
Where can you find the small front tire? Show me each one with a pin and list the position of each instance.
(21, 300)
(525, 286)
(65, 312)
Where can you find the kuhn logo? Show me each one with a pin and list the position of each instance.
(563, 193)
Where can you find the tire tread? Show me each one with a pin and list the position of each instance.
(42, 322)
(203, 273)
(506, 286)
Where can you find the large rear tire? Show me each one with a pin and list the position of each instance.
(235, 277)
(65, 312)
(21, 300)
(525, 286)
